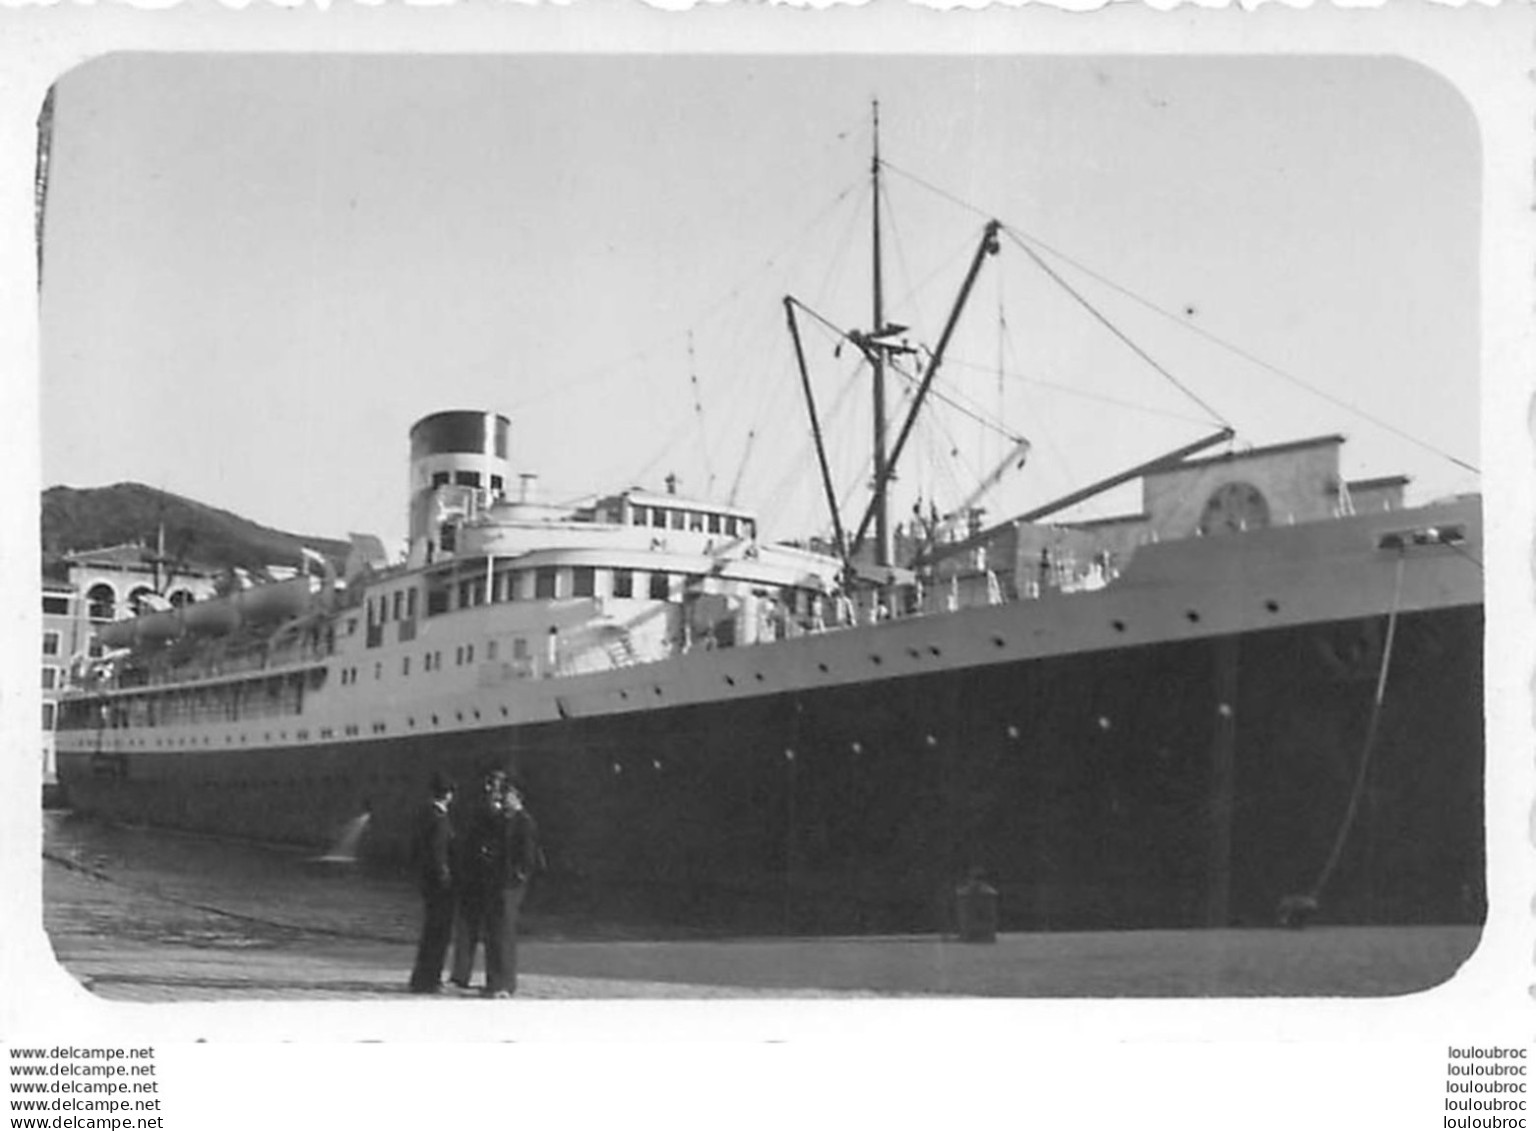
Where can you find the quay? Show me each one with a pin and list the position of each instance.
(105, 936)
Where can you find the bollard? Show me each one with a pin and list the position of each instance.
(976, 910)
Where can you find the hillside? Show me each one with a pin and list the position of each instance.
(195, 533)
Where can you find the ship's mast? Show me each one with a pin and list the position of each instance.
(877, 360)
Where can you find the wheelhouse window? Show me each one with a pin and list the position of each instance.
(623, 583)
(714, 524)
(695, 521)
(437, 598)
(642, 515)
(679, 520)
(660, 588)
(583, 581)
(659, 517)
(55, 605)
(440, 478)
(466, 478)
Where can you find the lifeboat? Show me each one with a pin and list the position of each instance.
(211, 618)
(156, 626)
(262, 604)
(265, 604)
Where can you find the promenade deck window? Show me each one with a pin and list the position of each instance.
(623, 583)
(583, 581)
(544, 583)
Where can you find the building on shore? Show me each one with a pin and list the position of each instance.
(88, 588)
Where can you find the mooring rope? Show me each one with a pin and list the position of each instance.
(1312, 896)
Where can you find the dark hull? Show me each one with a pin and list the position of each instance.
(1171, 785)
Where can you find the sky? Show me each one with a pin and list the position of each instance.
(260, 271)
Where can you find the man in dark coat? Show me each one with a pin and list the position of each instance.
(499, 858)
(513, 860)
(472, 863)
(433, 852)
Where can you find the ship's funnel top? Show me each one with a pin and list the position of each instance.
(469, 433)
(458, 468)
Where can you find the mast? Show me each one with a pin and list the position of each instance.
(877, 359)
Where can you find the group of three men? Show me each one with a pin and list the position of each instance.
(474, 860)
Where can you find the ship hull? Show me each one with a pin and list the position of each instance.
(1197, 782)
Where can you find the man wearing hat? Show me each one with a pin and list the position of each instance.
(516, 860)
(476, 848)
(433, 852)
(499, 858)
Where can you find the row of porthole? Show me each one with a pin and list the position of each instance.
(303, 735)
(1191, 615)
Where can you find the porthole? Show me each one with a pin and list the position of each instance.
(914, 653)
(1117, 625)
(999, 642)
(658, 692)
(875, 659)
(730, 681)
(758, 676)
(1272, 605)
(1192, 616)
(822, 668)
(933, 650)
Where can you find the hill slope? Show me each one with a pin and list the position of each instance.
(93, 517)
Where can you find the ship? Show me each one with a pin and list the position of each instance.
(1258, 699)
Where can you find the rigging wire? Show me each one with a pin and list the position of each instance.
(728, 298)
(698, 411)
(649, 349)
(1020, 235)
(1083, 394)
(1112, 328)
